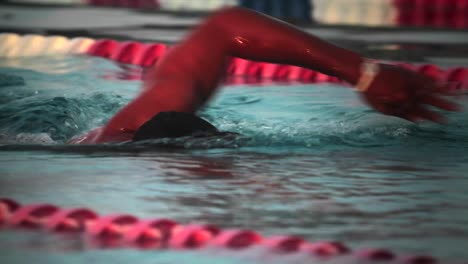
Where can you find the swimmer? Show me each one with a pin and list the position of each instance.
(189, 74)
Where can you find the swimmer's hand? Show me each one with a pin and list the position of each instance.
(406, 94)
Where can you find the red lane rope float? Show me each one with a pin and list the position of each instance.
(146, 55)
(151, 54)
(126, 230)
(127, 52)
(436, 13)
(105, 48)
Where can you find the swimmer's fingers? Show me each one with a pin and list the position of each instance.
(443, 88)
(426, 85)
(411, 117)
(440, 103)
(431, 115)
(413, 114)
(419, 113)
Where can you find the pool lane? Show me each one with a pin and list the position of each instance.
(402, 44)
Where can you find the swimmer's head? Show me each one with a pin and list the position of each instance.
(173, 125)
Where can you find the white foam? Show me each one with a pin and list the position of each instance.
(30, 138)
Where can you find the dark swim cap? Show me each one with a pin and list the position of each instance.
(173, 125)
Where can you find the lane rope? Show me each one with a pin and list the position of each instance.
(413, 13)
(125, 230)
(146, 54)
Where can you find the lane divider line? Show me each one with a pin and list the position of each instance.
(125, 230)
(146, 54)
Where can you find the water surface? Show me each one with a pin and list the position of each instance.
(312, 160)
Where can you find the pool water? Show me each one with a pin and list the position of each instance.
(311, 160)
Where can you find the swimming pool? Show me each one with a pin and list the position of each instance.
(312, 160)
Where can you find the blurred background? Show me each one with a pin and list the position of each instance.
(353, 176)
(424, 31)
(384, 13)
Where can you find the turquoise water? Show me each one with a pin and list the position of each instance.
(312, 160)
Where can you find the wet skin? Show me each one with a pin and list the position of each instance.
(190, 73)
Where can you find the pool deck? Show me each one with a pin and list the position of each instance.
(423, 45)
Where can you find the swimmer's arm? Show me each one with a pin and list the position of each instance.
(165, 95)
(240, 32)
(243, 33)
(189, 74)
(254, 36)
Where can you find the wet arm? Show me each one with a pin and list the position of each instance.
(254, 36)
(190, 72)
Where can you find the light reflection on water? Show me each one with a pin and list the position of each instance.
(384, 201)
(312, 161)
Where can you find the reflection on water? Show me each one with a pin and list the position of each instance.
(310, 161)
(408, 201)
(60, 64)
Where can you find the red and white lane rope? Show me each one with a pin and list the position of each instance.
(125, 230)
(416, 13)
(146, 54)
(195, 5)
(426, 13)
(15, 46)
(434, 13)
